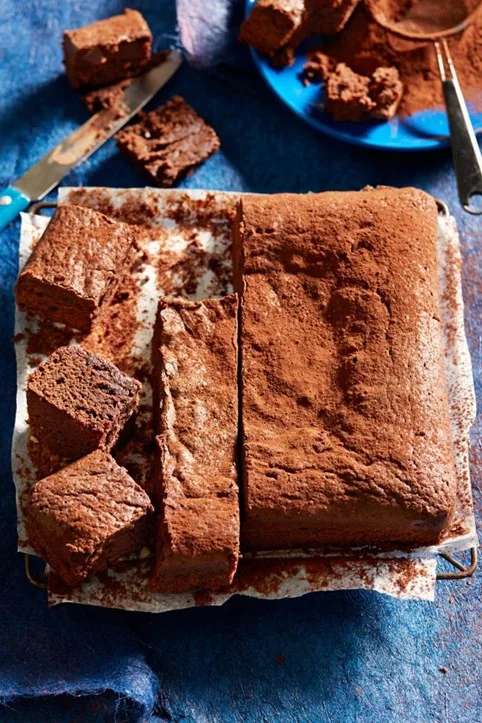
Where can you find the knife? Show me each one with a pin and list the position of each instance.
(49, 171)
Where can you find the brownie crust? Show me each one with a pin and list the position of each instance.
(75, 266)
(346, 423)
(107, 51)
(168, 143)
(196, 410)
(86, 516)
(78, 402)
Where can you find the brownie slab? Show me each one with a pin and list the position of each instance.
(346, 423)
(78, 402)
(169, 142)
(86, 516)
(196, 410)
(107, 51)
(75, 266)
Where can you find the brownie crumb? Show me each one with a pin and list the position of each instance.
(354, 97)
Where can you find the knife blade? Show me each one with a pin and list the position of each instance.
(79, 145)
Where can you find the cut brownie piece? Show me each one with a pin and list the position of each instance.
(346, 424)
(169, 142)
(75, 266)
(354, 97)
(107, 51)
(112, 95)
(78, 402)
(86, 516)
(196, 407)
(271, 24)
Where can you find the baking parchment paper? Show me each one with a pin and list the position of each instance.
(185, 240)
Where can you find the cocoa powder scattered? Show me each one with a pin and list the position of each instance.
(363, 45)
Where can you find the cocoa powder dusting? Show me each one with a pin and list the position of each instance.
(363, 45)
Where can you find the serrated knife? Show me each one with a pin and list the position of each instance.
(49, 171)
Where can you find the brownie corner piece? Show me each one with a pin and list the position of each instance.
(108, 50)
(77, 536)
(169, 142)
(75, 266)
(78, 402)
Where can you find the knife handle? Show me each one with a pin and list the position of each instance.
(12, 201)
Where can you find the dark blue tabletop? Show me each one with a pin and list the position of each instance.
(329, 657)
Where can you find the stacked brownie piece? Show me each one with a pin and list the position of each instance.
(329, 361)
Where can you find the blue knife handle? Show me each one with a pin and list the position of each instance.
(12, 201)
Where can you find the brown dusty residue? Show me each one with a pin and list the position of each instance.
(363, 45)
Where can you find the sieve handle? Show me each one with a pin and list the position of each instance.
(465, 148)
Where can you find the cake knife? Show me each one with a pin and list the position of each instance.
(49, 171)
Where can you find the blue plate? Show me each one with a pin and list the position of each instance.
(424, 131)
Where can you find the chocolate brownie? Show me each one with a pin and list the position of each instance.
(346, 425)
(350, 96)
(107, 51)
(86, 516)
(271, 24)
(106, 98)
(78, 402)
(196, 411)
(169, 142)
(75, 266)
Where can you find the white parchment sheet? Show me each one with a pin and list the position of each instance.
(176, 223)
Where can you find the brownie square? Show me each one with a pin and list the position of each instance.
(86, 516)
(271, 23)
(107, 51)
(196, 414)
(345, 414)
(78, 402)
(169, 142)
(75, 266)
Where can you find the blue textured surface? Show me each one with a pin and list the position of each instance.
(329, 657)
(422, 131)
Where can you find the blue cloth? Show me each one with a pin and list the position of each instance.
(340, 656)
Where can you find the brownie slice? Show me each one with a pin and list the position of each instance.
(169, 142)
(271, 24)
(78, 402)
(350, 96)
(196, 410)
(86, 516)
(107, 51)
(75, 266)
(345, 412)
